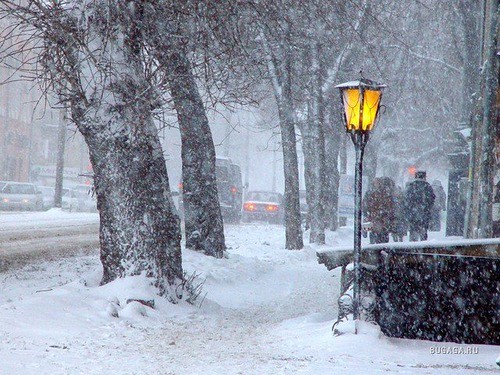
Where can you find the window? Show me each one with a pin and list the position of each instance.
(21, 189)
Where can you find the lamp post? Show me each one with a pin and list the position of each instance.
(361, 103)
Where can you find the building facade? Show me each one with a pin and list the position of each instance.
(29, 130)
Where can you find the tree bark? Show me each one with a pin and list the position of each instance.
(478, 218)
(204, 230)
(310, 153)
(313, 144)
(61, 146)
(318, 219)
(139, 231)
(293, 228)
(294, 240)
(280, 74)
(487, 162)
(332, 149)
(470, 15)
(307, 150)
(203, 219)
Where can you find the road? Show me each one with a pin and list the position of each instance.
(29, 237)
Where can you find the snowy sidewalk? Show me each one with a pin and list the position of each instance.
(268, 311)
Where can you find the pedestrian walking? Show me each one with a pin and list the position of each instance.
(419, 200)
(379, 209)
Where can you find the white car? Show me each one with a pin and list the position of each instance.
(78, 200)
(263, 205)
(48, 194)
(20, 196)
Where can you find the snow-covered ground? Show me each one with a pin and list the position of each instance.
(267, 310)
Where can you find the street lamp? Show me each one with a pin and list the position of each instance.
(361, 102)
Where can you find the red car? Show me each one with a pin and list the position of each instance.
(263, 205)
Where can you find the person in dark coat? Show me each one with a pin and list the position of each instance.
(379, 209)
(419, 200)
(439, 205)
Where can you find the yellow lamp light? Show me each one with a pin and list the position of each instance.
(361, 100)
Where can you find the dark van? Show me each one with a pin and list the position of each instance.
(229, 188)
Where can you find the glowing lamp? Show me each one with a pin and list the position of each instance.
(361, 102)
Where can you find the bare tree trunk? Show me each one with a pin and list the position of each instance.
(321, 124)
(310, 153)
(482, 158)
(294, 240)
(307, 150)
(318, 220)
(280, 72)
(139, 231)
(202, 214)
(332, 147)
(112, 92)
(489, 116)
(61, 146)
(470, 14)
(473, 198)
(203, 219)
(293, 231)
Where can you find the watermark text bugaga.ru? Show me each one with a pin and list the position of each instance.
(441, 349)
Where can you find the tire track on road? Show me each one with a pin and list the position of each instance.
(19, 247)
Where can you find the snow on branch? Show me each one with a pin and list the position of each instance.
(271, 65)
